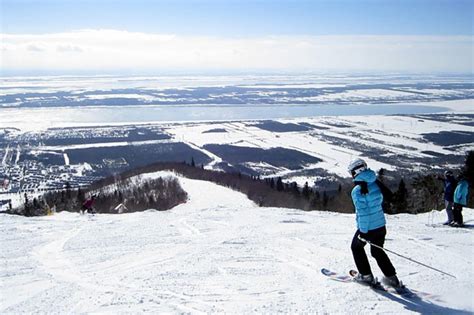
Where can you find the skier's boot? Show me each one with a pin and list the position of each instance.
(393, 282)
(365, 279)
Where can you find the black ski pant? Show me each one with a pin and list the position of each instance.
(457, 213)
(376, 237)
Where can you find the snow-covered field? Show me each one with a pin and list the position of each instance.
(221, 253)
(397, 136)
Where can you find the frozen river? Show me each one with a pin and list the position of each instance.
(48, 117)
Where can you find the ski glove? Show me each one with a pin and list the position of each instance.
(364, 190)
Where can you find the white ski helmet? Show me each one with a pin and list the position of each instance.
(356, 166)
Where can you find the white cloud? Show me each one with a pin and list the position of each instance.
(114, 50)
(34, 48)
(69, 48)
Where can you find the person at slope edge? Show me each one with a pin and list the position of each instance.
(460, 200)
(88, 205)
(449, 185)
(367, 198)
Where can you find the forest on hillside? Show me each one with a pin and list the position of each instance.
(421, 193)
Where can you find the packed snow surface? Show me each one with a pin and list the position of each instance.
(219, 252)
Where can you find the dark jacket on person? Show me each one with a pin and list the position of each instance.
(88, 203)
(449, 187)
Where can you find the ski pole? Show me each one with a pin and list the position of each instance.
(408, 258)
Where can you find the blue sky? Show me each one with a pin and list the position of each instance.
(244, 17)
(246, 35)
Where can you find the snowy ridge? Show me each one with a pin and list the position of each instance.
(219, 252)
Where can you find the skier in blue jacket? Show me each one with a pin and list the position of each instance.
(460, 200)
(367, 198)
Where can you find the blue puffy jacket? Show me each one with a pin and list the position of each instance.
(369, 213)
(461, 191)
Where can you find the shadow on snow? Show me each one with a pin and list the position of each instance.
(416, 304)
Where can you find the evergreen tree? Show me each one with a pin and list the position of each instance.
(80, 196)
(314, 201)
(469, 168)
(27, 206)
(401, 198)
(468, 171)
(317, 194)
(36, 205)
(68, 191)
(426, 193)
(306, 191)
(279, 184)
(294, 188)
(325, 200)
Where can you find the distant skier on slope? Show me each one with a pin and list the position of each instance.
(88, 205)
(367, 198)
(460, 200)
(449, 186)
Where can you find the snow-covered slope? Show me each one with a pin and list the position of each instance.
(221, 253)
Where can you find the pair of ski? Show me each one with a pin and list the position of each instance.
(438, 225)
(403, 291)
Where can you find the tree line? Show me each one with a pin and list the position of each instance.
(121, 195)
(422, 192)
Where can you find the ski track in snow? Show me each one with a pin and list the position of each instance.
(220, 253)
